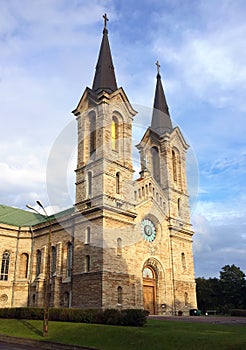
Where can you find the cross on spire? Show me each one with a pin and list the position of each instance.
(158, 66)
(105, 20)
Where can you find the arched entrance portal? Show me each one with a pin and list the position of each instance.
(149, 289)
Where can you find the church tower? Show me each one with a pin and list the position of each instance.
(163, 157)
(132, 241)
(104, 176)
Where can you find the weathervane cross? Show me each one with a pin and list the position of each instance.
(105, 20)
(158, 66)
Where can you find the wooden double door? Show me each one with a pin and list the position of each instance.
(149, 290)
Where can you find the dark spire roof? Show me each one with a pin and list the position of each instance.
(104, 78)
(161, 120)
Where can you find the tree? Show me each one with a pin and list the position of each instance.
(209, 294)
(233, 285)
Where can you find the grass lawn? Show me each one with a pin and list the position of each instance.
(157, 335)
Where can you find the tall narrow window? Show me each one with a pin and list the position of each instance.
(186, 299)
(117, 182)
(5, 266)
(119, 246)
(69, 259)
(119, 292)
(53, 260)
(24, 259)
(38, 262)
(89, 189)
(155, 163)
(183, 260)
(179, 207)
(115, 133)
(87, 263)
(88, 235)
(174, 163)
(92, 121)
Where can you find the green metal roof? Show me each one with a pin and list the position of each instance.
(19, 217)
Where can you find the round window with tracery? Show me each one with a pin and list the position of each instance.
(3, 298)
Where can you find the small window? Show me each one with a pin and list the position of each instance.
(5, 266)
(186, 299)
(87, 235)
(119, 246)
(87, 263)
(117, 182)
(183, 260)
(179, 207)
(174, 163)
(69, 259)
(38, 262)
(119, 292)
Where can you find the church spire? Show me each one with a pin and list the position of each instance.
(161, 120)
(104, 78)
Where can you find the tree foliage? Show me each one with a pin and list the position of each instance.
(227, 292)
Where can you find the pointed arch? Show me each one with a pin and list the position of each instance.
(155, 163)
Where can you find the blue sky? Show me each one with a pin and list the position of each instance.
(48, 52)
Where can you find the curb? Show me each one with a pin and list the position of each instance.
(41, 344)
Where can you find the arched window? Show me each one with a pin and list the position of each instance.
(24, 259)
(89, 187)
(117, 179)
(115, 133)
(38, 262)
(69, 259)
(87, 263)
(183, 260)
(119, 246)
(155, 163)
(92, 129)
(87, 235)
(148, 273)
(186, 299)
(53, 260)
(5, 266)
(119, 292)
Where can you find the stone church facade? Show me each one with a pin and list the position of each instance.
(126, 243)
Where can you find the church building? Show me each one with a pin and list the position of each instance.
(126, 243)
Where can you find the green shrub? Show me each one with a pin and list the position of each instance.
(127, 317)
(112, 316)
(134, 317)
(238, 312)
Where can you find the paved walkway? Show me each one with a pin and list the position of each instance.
(203, 319)
(7, 343)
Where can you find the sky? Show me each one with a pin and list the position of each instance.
(48, 53)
